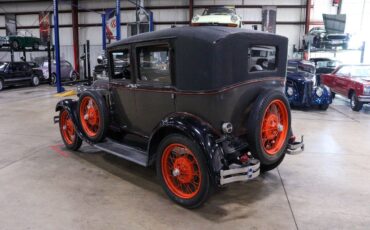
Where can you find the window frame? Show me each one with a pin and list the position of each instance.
(170, 59)
(249, 55)
(111, 64)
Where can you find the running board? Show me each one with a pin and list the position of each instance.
(124, 151)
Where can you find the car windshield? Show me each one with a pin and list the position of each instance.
(326, 63)
(360, 72)
(219, 11)
(300, 68)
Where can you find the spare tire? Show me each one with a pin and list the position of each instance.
(269, 128)
(93, 115)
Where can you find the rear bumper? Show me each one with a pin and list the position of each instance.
(365, 99)
(295, 147)
(240, 172)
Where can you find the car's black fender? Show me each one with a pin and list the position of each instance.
(194, 128)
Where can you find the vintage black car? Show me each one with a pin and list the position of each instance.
(17, 73)
(302, 89)
(188, 101)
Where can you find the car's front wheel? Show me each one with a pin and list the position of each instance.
(182, 171)
(356, 105)
(67, 130)
(35, 80)
(53, 79)
(74, 76)
(269, 128)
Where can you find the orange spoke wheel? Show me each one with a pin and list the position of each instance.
(274, 127)
(89, 116)
(181, 171)
(67, 128)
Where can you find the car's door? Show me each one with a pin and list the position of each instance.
(26, 71)
(14, 73)
(154, 93)
(343, 80)
(122, 87)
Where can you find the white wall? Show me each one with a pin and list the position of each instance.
(293, 32)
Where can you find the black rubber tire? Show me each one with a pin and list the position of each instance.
(33, 82)
(333, 95)
(74, 76)
(103, 115)
(53, 79)
(77, 142)
(355, 104)
(205, 186)
(1, 84)
(324, 107)
(15, 45)
(254, 127)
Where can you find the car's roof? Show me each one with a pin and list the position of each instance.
(208, 34)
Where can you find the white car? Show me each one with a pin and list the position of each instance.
(222, 16)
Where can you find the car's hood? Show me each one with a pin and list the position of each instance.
(300, 76)
(224, 19)
(334, 23)
(365, 81)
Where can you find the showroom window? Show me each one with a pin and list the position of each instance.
(261, 58)
(154, 64)
(121, 67)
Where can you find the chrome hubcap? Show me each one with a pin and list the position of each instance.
(176, 172)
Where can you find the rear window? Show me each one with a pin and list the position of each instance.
(261, 58)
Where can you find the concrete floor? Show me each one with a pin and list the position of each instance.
(44, 186)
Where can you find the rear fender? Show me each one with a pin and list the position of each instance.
(194, 128)
(71, 106)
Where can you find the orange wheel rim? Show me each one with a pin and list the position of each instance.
(67, 128)
(89, 116)
(181, 171)
(274, 127)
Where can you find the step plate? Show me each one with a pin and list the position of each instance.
(129, 153)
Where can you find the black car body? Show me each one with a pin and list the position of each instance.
(17, 73)
(302, 88)
(189, 90)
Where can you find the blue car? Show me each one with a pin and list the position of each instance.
(301, 87)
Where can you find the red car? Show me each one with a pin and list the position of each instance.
(352, 81)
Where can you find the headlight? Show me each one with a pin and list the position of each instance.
(195, 18)
(319, 91)
(290, 91)
(367, 90)
(322, 35)
(227, 127)
(234, 18)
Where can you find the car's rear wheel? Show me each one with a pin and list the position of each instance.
(182, 171)
(35, 80)
(93, 115)
(356, 105)
(74, 76)
(269, 128)
(53, 79)
(67, 130)
(1, 84)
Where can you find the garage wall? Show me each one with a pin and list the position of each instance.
(292, 18)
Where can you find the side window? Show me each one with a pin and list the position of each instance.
(261, 58)
(121, 68)
(154, 64)
(345, 71)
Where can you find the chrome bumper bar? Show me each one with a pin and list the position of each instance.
(364, 98)
(240, 173)
(296, 147)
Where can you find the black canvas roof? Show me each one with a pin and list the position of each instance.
(201, 33)
(212, 57)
